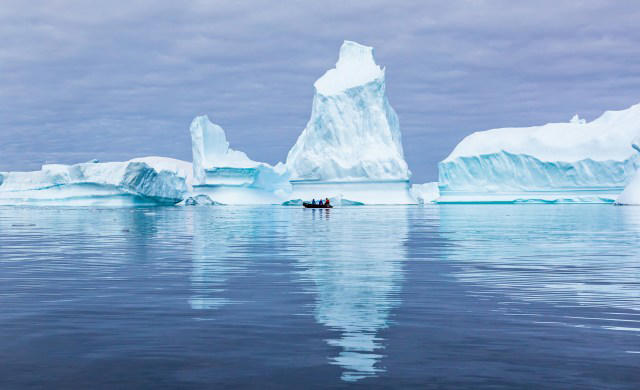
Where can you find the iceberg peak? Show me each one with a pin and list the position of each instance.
(356, 66)
(214, 138)
(576, 120)
(211, 149)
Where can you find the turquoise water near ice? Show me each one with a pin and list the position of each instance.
(448, 296)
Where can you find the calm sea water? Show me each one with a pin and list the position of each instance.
(459, 296)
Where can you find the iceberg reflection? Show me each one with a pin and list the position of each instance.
(213, 261)
(227, 242)
(549, 254)
(355, 286)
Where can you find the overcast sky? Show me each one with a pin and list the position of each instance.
(115, 80)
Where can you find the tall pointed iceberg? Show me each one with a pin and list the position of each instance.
(352, 144)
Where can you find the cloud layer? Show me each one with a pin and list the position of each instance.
(120, 79)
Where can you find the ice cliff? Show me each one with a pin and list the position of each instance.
(148, 180)
(577, 161)
(352, 143)
(229, 176)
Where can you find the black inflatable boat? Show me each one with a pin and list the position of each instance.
(316, 206)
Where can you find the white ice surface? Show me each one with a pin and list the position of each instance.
(605, 138)
(353, 133)
(356, 66)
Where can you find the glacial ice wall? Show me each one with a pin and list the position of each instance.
(148, 180)
(353, 133)
(557, 162)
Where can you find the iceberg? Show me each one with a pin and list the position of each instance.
(351, 146)
(229, 176)
(425, 193)
(141, 181)
(631, 193)
(577, 161)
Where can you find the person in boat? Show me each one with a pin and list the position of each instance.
(320, 202)
(326, 202)
(313, 201)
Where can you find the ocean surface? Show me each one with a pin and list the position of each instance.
(451, 296)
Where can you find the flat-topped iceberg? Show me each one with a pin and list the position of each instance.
(141, 181)
(352, 143)
(577, 161)
(229, 176)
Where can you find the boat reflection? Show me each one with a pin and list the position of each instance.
(320, 213)
(354, 269)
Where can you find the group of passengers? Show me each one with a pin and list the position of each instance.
(326, 202)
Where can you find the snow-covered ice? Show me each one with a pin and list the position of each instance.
(352, 143)
(229, 176)
(577, 161)
(148, 180)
